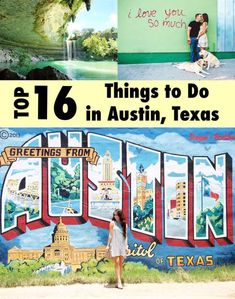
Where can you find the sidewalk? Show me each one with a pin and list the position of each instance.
(131, 291)
(167, 71)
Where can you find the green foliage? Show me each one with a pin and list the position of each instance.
(23, 56)
(137, 273)
(3, 269)
(216, 217)
(148, 206)
(143, 219)
(94, 267)
(72, 4)
(90, 267)
(64, 185)
(105, 266)
(67, 2)
(33, 212)
(96, 45)
(11, 210)
(27, 266)
(146, 224)
(110, 34)
(103, 271)
(113, 48)
(10, 206)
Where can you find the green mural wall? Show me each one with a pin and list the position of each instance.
(161, 27)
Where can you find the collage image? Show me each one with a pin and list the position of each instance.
(98, 194)
(110, 40)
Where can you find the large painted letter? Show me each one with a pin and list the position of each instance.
(144, 165)
(65, 179)
(22, 193)
(176, 199)
(213, 200)
(105, 186)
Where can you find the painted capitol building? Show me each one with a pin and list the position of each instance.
(59, 250)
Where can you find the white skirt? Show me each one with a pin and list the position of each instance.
(203, 41)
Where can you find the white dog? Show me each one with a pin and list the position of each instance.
(193, 67)
(210, 59)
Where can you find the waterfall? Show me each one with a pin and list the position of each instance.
(65, 49)
(71, 49)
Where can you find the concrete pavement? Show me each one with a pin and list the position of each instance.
(207, 290)
(167, 71)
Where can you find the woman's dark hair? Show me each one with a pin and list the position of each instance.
(205, 17)
(122, 218)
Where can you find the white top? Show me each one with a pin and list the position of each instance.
(118, 243)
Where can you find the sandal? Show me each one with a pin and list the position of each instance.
(119, 286)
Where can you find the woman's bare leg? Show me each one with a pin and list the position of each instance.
(121, 258)
(117, 269)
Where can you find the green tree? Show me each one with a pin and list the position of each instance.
(84, 34)
(27, 266)
(113, 48)
(110, 33)
(68, 2)
(216, 218)
(96, 46)
(89, 267)
(3, 269)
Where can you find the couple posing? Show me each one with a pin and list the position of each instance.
(197, 37)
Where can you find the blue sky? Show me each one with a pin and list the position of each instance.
(143, 156)
(101, 145)
(39, 238)
(178, 159)
(102, 15)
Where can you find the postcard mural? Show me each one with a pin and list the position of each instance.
(59, 188)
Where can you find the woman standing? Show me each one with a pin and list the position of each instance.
(202, 36)
(117, 243)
